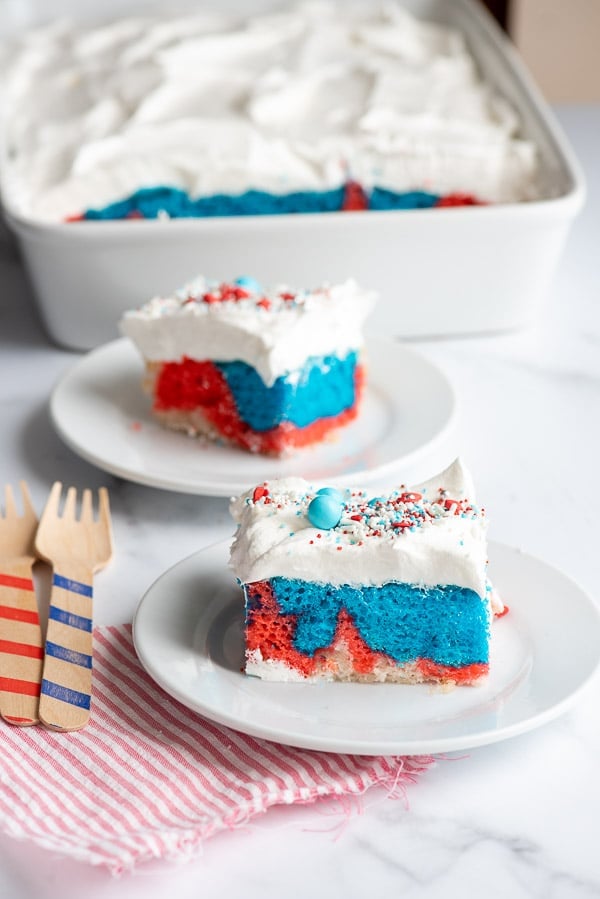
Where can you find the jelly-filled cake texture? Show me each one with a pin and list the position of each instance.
(395, 589)
(267, 370)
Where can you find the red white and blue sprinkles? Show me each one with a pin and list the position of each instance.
(244, 292)
(359, 517)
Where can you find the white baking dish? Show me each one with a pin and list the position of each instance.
(439, 272)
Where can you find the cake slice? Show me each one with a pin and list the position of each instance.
(353, 586)
(268, 370)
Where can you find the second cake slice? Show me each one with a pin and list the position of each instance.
(268, 370)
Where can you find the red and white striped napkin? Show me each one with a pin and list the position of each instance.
(149, 779)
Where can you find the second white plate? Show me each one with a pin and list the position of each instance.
(406, 428)
(188, 632)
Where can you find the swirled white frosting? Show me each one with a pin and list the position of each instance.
(273, 330)
(443, 540)
(302, 99)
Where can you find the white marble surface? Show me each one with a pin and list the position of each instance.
(517, 819)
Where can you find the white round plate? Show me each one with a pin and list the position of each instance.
(406, 425)
(188, 632)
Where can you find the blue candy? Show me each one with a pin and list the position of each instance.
(249, 283)
(324, 511)
(331, 491)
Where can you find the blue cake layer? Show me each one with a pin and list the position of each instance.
(325, 387)
(447, 624)
(389, 199)
(151, 201)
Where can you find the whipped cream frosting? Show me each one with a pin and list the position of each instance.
(303, 99)
(429, 535)
(274, 330)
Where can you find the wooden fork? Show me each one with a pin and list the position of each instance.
(21, 650)
(76, 548)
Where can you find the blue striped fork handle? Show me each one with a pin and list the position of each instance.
(66, 688)
(77, 546)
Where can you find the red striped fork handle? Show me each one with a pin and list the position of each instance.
(21, 646)
(66, 690)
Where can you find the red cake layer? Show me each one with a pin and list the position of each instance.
(458, 200)
(192, 384)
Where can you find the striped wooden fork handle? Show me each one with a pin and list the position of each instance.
(67, 677)
(21, 652)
